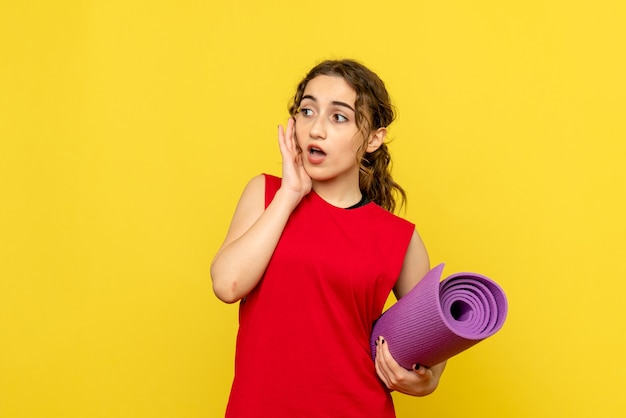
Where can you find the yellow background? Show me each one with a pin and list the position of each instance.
(128, 129)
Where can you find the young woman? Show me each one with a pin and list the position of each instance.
(312, 257)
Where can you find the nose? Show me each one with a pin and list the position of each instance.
(318, 128)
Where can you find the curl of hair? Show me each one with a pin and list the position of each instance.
(373, 111)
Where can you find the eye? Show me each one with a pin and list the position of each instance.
(340, 118)
(306, 112)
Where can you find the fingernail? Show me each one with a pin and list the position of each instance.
(382, 340)
(416, 367)
(376, 342)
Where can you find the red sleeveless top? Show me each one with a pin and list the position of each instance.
(303, 343)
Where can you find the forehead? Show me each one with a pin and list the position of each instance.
(330, 88)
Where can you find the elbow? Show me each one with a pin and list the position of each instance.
(225, 295)
(225, 290)
(231, 283)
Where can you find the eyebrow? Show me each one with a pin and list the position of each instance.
(335, 102)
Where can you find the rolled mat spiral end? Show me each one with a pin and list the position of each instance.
(439, 319)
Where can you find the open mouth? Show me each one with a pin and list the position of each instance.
(316, 152)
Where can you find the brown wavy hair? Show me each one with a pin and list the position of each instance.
(373, 110)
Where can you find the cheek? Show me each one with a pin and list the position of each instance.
(300, 133)
(358, 145)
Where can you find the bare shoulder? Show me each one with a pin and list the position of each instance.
(254, 188)
(416, 265)
(249, 208)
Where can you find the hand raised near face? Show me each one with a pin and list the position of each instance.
(295, 181)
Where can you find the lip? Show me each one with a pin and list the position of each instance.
(315, 158)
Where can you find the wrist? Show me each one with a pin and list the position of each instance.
(287, 198)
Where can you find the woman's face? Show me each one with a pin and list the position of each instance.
(326, 130)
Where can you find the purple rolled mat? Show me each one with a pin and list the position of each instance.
(437, 320)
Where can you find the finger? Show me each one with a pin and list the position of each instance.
(290, 136)
(387, 363)
(423, 372)
(284, 143)
(290, 125)
(291, 139)
(295, 138)
(390, 363)
(281, 138)
(379, 363)
(420, 370)
(395, 373)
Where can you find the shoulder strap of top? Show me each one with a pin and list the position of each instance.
(272, 184)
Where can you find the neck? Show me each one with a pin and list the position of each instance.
(339, 195)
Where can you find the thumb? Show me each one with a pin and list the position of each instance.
(419, 369)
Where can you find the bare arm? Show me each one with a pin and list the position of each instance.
(250, 241)
(416, 265)
(254, 231)
(422, 380)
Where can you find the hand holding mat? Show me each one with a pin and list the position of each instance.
(437, 320)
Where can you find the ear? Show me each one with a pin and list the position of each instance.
(376, 139)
